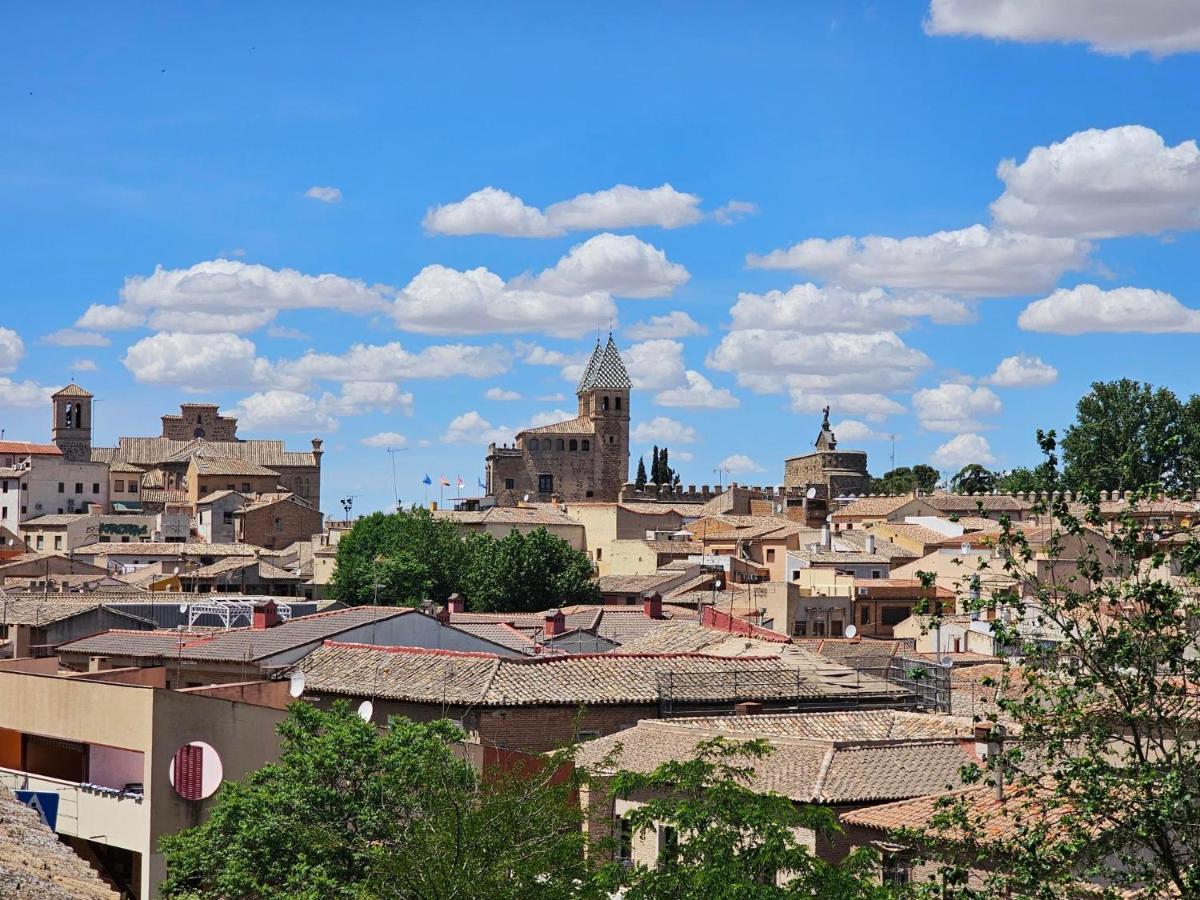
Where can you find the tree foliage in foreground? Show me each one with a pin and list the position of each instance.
(905, 480)
(414, 556)
(352, 811)
(1105, 695)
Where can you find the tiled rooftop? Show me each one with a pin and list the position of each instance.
(871, 506)
(505, 515)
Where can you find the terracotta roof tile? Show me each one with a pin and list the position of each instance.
(871, 506)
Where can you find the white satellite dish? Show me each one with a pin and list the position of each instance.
(810, 493)
(296, 684)
(851, 631)
(183, 607)
(947, 661)
(366, 709)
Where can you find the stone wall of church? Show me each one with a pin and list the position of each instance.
(844, 471)
(199, 421)
(575, 475)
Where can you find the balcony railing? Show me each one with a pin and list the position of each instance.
(104, 815)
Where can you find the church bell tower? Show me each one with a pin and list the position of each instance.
(72, 429)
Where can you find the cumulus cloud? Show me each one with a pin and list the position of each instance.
(497, 393)
(672, 325)
(1023, 371)
(324, 194)
(385, 439)
(570, 365)
(613, 264)
(196, 363)
(548, 417)
(285, 333)
(807, 307)
(1117, 27)
(849, 430)
(281, 410)
(654, 365)
(699, 393)
(358, 397)
(955, 407)
(12, 350)
(472, 428)
(972, 262)
(836, 360)
(196, 321)
(1088, 308)
(663, 430)
(734, 211)
(1103, 183)
(23, 394)
(552, 398)
(873, 406)
(963, 450)
(739, 464)
(440, 300)
(84, 365)
(73, 337)
(391, 362)
(101, 317)
(494, 211)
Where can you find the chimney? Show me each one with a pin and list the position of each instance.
(433, 506)
(455, 604)
(99, 663)
(652, 605)
(316, 449)
(989, 744)
(443, 616)
(266, 616)
(870, 548)
(826, 543)
(556, 623)
(748, 708)
(22, 640)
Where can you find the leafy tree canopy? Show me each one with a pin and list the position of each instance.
(905, 480)
(973, 479)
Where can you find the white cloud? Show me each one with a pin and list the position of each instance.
(71, 337)
(391, 362)
(472, 428)
(359, 397)
(1088, 308)
(570, 365)
(12, 350)
(286, 333)
(850, 430)
(672, 325)
(23, 394)
(497, 393)
(385, 439)
(440, 300)
(552, 398)
(196, 321)
(1118, 27)
(874, 406)
(548, 417)
(110, 318)
(963, 450)
(699, 394)
(663, 430)
(734, 211)
(84, 365)
(879, 361)
(1023, 371)
(654, 365)
(494, 211)
(196, 362)
(955, 407)
(280, 410)
(739, 464)
(1103, 183)
(807, 307)
(615, 264)
(973, 262)
(324, 194)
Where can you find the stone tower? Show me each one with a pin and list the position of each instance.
(603, 394)
(72, 427)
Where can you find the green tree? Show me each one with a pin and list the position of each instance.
(904, 480)
(526, 573)
(973, 479)
(640, 481)
(1128, 435)
(733, 842)
(1102, 691)
(655, 466)
(352, 811)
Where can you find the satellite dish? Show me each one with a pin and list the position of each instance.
(947, 661)
(175, 571)
(296, 684)
(717, 584)
(366, 709)
(526, 498)
(810, 493)
(851, 631)
(183, 607)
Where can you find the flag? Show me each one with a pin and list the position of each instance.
(482, 486)
(460, 482)
(445, 481)
(426, 480)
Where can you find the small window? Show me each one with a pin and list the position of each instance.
(875, 573)
(818, 629)
(6, 486)
(770, 554)
(604, 404)
(533, 444)
(246, 486)
(58, 542)
(41, 541)
(599, 553)
(668, 845)
(896, 870)
(229, 487)
(800, 629)
(560, 444)
(510, 484)
(95, 488)
(133, 487)
(119, 486)
(60, 487)
(864, 616)
(228, 517)
(616, 402)
(545, 484)
(574, 445)
(623, 829)
(79, 487)
(586, 446)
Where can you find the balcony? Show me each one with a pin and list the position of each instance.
(103, 815)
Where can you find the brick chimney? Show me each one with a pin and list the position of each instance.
(266, 616)
(455, 604)
(443, 616)
(652, 605)
(556, 623)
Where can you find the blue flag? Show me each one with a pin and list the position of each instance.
(482, 486)
(426, 480)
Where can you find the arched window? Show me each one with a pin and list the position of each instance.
(533, 443)
(587, 445)
(560, 445)
(617, 402)
(69, 417)
(604, 404)
(574, 444)
(78, 415)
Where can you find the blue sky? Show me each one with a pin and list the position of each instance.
(325, 156)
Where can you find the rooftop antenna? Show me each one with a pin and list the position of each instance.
(392, 451)
(721, 471)
(893, 439)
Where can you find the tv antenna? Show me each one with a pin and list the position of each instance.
(392, 451)
(892, 437)
(720, 472)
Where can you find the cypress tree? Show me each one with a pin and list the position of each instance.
(655, 467)
(640, 482)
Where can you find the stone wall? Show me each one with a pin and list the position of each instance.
(278, 525)
(199, 420)
(843, 472)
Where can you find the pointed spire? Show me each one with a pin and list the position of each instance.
(590, 368)
(605, 370)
